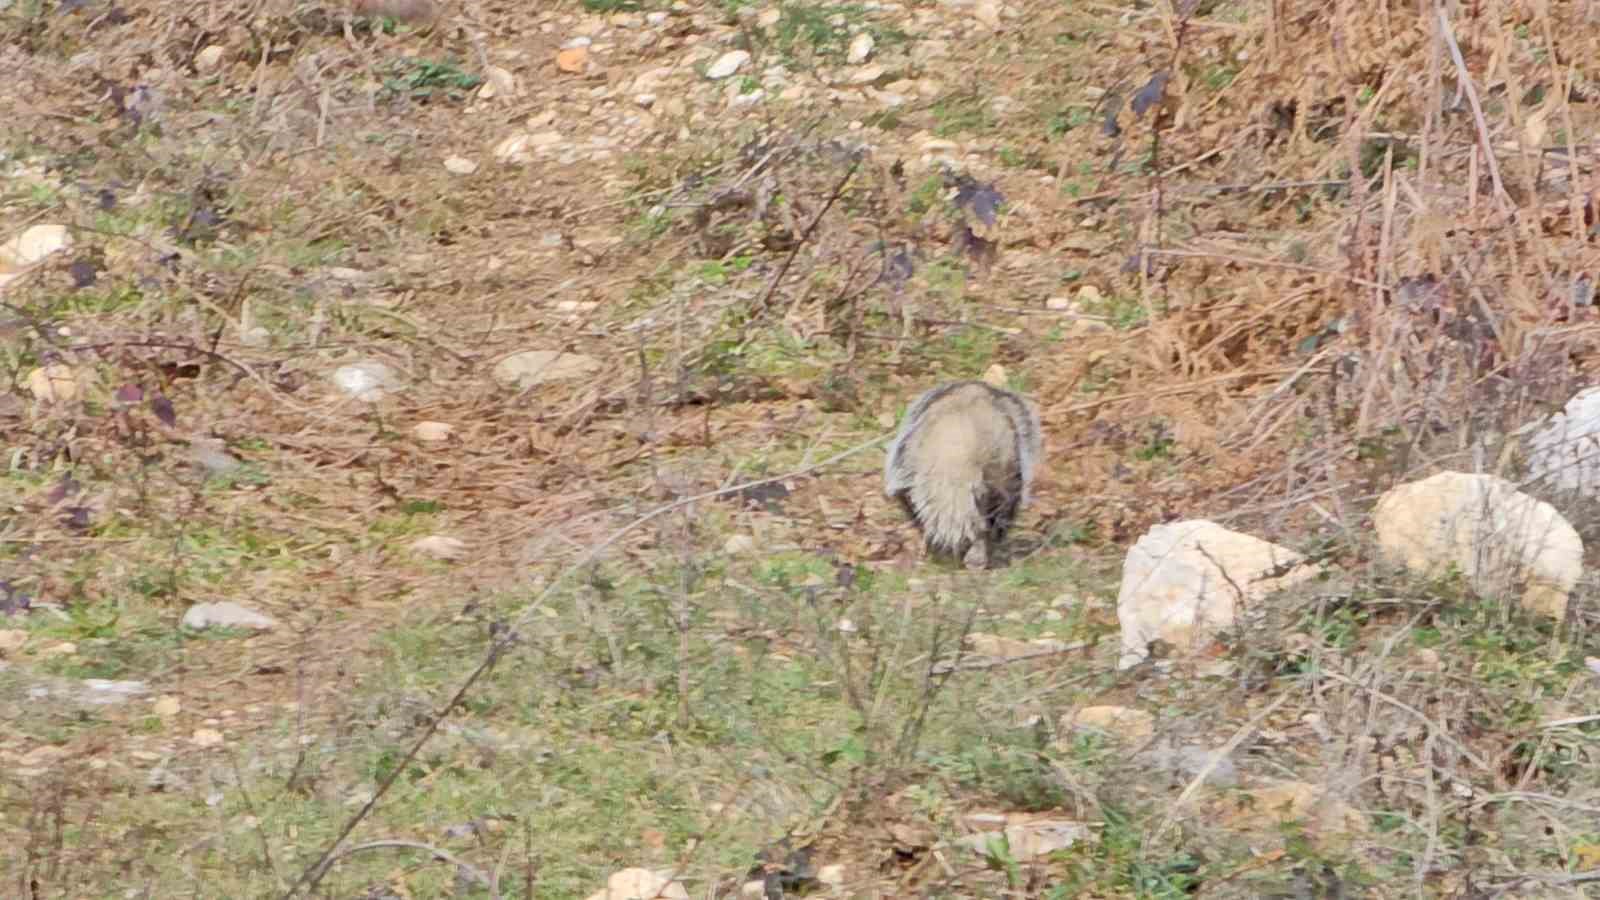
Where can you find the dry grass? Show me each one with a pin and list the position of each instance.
(1319, 258)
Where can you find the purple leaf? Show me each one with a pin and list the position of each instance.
(162, 407)
(63, 489)
(13, 600)
(83, 272)
(130, 393)
(76, 518)
(983, 252)
(1151, 93)
(1583, 291)
(981, 199)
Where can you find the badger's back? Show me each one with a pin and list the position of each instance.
(962, 464)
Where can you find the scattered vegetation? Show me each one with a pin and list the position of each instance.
(681, 629)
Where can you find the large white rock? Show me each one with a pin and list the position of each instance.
(640, 884)
(1565, 453)
(727, 64)
(32, 245)
(1502, 540)
(531, 367)
(1185, 581)
(226, 614)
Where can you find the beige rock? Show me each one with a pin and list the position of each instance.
(498, 82)
(35, 243)
(1130, 726)
(1269, 807)
(1186, 581)
(1029, 839)
(12, 639)
(727, 64)
(209, 59)
(440, 546)
(1502, 540)
(860, 48)
(1010, 648)
(432, 432)
(54, 384)
(531, 367)
(640, 884)
(206, 737)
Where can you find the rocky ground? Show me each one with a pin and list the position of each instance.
(528, 365)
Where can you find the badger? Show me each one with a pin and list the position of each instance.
(961, 467)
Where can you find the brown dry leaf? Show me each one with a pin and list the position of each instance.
(573, 60)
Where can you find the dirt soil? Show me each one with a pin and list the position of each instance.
(1256, 262)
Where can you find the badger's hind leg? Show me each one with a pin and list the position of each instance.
(999, 509)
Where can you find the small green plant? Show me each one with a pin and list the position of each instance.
(928, 193)
(421, 79)
(961, 113)
(1124, 312)
(1062, 121)
(718, 271)
(827, 29)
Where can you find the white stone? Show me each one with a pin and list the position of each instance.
(1565, 453)
(440, 546)
(368, 380)
(640, 884)
(54, 383)
(727, 64)
(867, 74)
(1186, 581)
(860, 49)
(226, 614)
(738, 544)
(208, 59)
(531, 367)
(1030, 840)
(1502, 540)
(432, 432)
(32, 245)
(459, 165)
(103, 692)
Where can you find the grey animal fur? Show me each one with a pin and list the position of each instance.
(962, 465)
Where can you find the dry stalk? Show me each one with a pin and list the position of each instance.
(1485, 145)
(504, 636)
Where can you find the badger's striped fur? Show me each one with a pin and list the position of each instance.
(962, 465)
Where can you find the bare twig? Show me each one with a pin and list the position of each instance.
(472, 871)
(505, 636)
(1449, 36)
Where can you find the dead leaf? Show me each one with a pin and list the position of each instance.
(573, 60)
